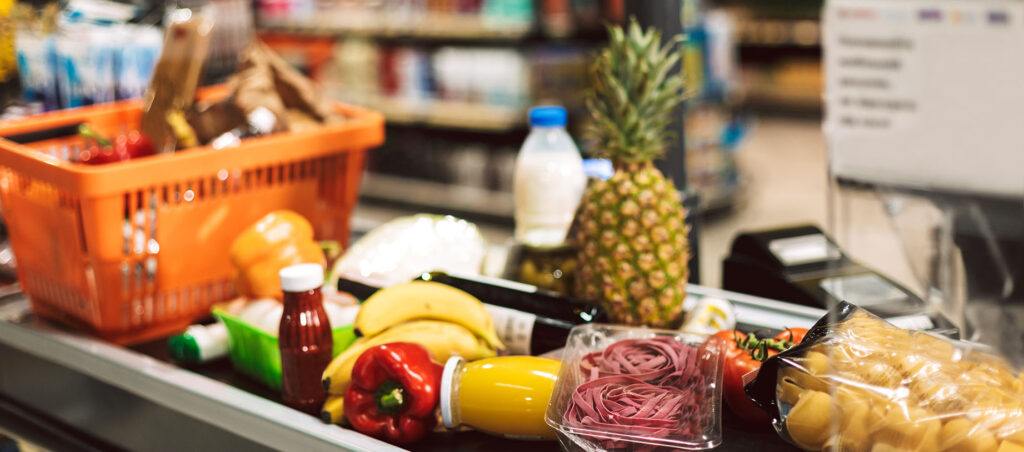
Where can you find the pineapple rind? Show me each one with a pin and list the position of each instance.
(638, 273)
(631, 229)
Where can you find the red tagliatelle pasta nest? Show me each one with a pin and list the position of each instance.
(640, 387)
(660, 361)
(622, 404)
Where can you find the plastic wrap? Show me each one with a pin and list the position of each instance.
(406, 247)
(637, 389)
(857, 383)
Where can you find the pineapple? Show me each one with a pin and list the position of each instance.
(630, 228)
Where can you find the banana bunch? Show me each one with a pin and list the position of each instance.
(445, 320)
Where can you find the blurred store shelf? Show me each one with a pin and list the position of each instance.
(449, 114)
(719, 199)
(778, 32)
(437, 195)
(445, 27)
(788, 86)
(784, 99)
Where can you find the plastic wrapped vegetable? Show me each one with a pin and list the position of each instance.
(861, 384)
(407, 247)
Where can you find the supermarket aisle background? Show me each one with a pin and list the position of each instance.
(784, 171)
(783, 167)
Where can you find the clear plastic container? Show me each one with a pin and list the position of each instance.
(696, 426)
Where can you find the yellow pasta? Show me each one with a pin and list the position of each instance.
(960, 435)
(787, 391)
(816, 363)
(906, 426)
(872, 387)
(803, 379)
(856, 421)
(810, 421)
(1010, 446)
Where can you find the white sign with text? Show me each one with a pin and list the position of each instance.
(926, 94)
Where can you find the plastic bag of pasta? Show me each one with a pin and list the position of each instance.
(857, 383)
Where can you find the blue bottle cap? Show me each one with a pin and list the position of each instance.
(548, 116)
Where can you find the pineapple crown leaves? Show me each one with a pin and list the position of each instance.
(632, 95)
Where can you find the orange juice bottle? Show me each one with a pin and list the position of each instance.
(504, 396)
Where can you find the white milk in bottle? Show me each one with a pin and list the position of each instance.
(549, 180)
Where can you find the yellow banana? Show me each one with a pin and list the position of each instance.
(443, 339)
(425, 300)
(333, 411)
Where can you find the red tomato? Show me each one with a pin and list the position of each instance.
(794, 335)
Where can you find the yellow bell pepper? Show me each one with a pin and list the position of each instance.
(279, 239)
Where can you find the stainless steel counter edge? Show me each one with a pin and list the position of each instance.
(763, 312)
(247, 415)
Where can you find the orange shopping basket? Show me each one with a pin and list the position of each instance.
(137, 250)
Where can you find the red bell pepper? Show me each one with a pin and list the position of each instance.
(101, 150)
(744, 354)
(394, 390)
(133, 145)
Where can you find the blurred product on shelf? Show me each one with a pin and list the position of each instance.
(94, 51)
(475, 19)
(780, 52)
(796, 84)
(475, 87)
(712, 138)
(176, 77)
(69, 60)
(558, 75)
(232, 33)
(8, 56)
(450, 95)
(454, 80)
(768, 32)
(713, 131)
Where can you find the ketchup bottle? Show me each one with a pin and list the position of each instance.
(305, 338)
